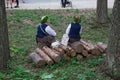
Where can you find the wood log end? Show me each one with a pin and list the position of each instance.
(79, 57)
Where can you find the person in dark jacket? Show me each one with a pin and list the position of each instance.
(74, 30)
(45, 34)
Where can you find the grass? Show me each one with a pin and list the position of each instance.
(22, 25)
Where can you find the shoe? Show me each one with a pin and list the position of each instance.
(16, 6)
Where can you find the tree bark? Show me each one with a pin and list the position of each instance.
(101, 11)
(113, 52)
(4, 41)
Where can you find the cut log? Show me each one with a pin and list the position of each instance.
(51, 54)
(67, 57)
(85, 53)
(86, 45)
(44, 56)
(71, 51)
(65, 48)
(56, 52)
(90, 56)
(79, 57)
(59, 50)
(37, 59)
(101, 46)
(95, 51)
(77, 46)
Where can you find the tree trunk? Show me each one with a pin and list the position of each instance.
(4, 42)
(113, 52)
(101, 11)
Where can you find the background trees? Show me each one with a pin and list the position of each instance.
(113, 53)
(101, 11)
(4, 43)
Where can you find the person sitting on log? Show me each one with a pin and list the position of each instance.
(74, 30)
(45, 34)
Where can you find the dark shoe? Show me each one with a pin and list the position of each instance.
(16, 6)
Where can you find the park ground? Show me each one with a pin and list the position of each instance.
(22, 26)
(56, 4)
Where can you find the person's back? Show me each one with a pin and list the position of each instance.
(40, 33)
(74, 30)
(45, 34)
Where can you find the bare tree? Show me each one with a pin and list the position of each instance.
(113, 53)
(101, 12)
(4, 42)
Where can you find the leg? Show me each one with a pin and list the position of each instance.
(72, 40)
(65, 3)
(17, 4)
(7, 3)
(46, 41)
(62, 3)
(40, 42)
(11, 3)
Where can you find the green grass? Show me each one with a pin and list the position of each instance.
(22, 25)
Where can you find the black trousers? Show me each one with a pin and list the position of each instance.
(63, 3)
(17, 2)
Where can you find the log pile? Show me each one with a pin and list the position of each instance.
(37, 59)
(80, 49)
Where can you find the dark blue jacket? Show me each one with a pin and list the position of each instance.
(40, 33)
(75, 31)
